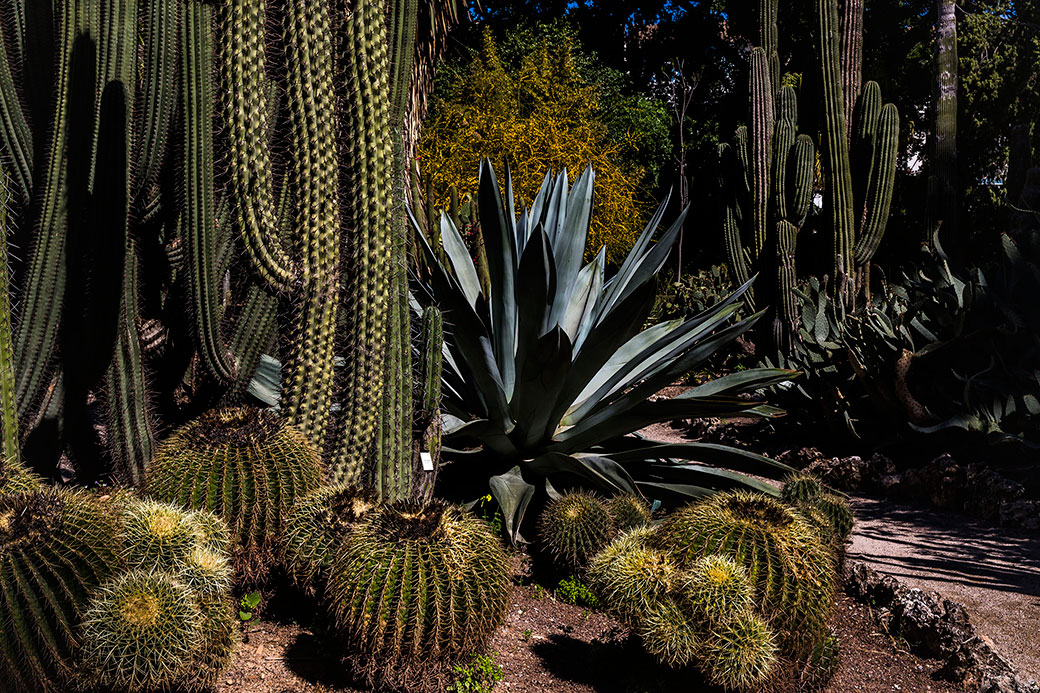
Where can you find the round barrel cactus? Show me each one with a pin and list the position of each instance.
(415, 586)
(630, 577)
(628, 511)
(55, 548)
(791, 569)
(244, 464)
(316, 526)
(574, 528)
(739, 654)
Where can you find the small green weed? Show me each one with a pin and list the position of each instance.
(479, 676)
(525, 635)
(245, 607)
(571, 590)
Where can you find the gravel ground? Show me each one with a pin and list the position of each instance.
(994, 572)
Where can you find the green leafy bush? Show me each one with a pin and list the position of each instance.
(479, 676)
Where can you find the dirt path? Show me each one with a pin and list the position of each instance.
(994, 572)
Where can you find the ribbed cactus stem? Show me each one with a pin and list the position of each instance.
(761, 146)
(314, 182)
(880, 185)
(839, 175)
(786, 319)
(851, 56)
(371, 159)
(158, 90)
(769, 38)
(9, 448)
(944, 205)
(36, 334)
(428, 410)
(787, 104)
(14, 128)
(783, 142)
(803, 162)
(243, 58)
(199, 187)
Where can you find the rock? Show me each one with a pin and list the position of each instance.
(842, 473)
(875, 469)
(1024, 514)
(936, 627)
(988, 491)
(891, 485)
(941, 481)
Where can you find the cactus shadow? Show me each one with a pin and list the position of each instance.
(612, 666)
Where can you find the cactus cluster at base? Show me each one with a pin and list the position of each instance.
(576, 526)
(737, 585)
(165, 621)
(247, 466)
(414, 587)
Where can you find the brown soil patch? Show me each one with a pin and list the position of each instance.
(546, 645)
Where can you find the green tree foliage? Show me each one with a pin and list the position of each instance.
(537, 100)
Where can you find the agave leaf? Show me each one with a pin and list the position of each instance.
(487, 433)
(625, 416)
(705, 453)
(654, 355)
(513, 494)
(537, 276)
(461, 262)
(743, 381)
(599, 272)
(539, 381)
(634, 256)
(582, 299)
(644, 269)
(703, 476)
(569, 243)
(617, 327)
(500, 243)
(603, 472)
(556, 208)
(694, 354)
(538, 204)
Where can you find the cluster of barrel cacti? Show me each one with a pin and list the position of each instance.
(738, 585)
(165, 620)
(768, 174)
(413, 588)
(111, 591)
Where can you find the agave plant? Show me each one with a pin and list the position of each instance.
(549, 373)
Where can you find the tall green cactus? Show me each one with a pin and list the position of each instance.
(837, 167)
(767, 177)
(8, 405)
(861, 153)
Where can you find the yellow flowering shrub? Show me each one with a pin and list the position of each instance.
(541, 116)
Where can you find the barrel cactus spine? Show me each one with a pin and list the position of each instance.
(630, 577)
(741, 654)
